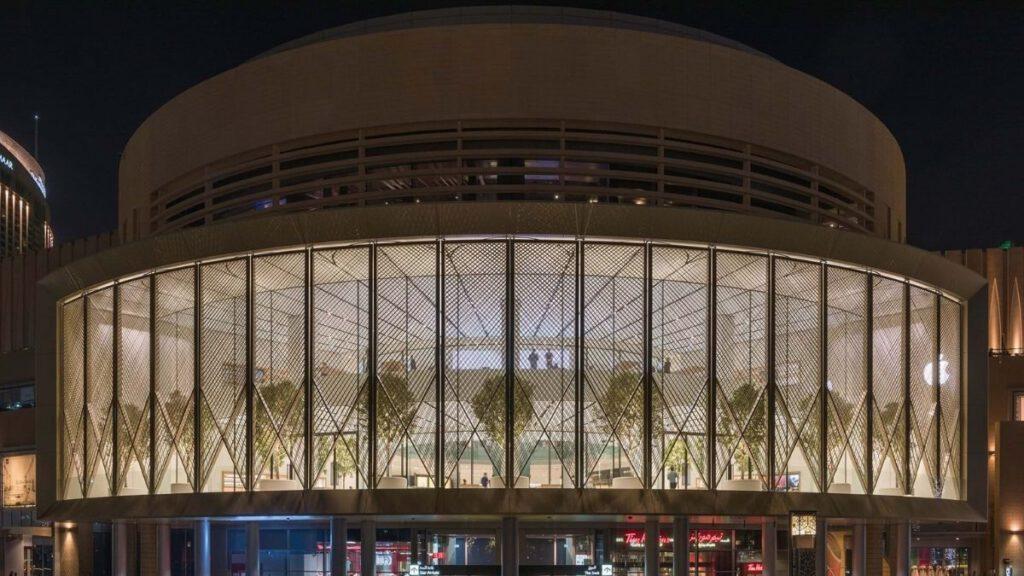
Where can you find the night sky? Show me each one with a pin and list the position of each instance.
(948, 82)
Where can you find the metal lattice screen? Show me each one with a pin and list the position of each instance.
(341, 348)
(888, 323)
(73, 398)
(741, 416)
(99, 396)
(406, 363)
(474, 376)
(950, 399)
(847, 380)
(409, 364)
(133, 438)
(223, 417)
(279, 369)
(613, 363)
(798, 389)
(924, 352)
(174, 385)
(679, 349)
(545, 369)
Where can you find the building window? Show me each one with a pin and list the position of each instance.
(1018, 406)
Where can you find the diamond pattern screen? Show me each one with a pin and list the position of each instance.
(526, 363)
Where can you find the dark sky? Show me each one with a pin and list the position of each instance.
(948, 81)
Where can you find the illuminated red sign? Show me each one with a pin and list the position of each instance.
(636, 538)
(708, 538)
(753, 568)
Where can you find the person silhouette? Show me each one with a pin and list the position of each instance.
(533, 358)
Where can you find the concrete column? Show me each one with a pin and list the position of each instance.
(83, 547)
(252, 548)
(902, 544)
(509, 547)
(681, 546)
(149, 549)
(651, 538)
(56, 536)
(820, 546)
(201, 545)
(368, 547)
(339, 539)
(860, 550)
(769, 546)
(874, 549)
(163, 543)
(119, 543)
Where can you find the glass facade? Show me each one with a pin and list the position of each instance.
(472, 363)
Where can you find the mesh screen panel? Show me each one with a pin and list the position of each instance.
(741, 309)
(545, 344)
(341, 336)
(279, 367)
(950, 394)
(613, 340)
(923, 358)
(888, 315)
(797, 423)
(474, 377)
(99, 400)
(679, 340)
(133, 326)
(847, 384)
(222, 397)
(73, 399)
(174, 328)
(406, 372)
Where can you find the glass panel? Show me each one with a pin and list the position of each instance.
(679, 325)
(923, 394)
(950, 398)
(341, 320)
(847, 381)
(545, 360)
(279, 371)
(222, 396)
(888, 447)
(741, 310)
(474, 376)
(613, 339)
(406, 357)
(99, 401)
(133, 387)
(797, 375)
(72, 400)
(175, 381)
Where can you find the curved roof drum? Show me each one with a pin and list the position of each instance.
(506, 70)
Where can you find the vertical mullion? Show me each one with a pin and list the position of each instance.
(712, 368)
(907, 475)
(371, 464)
(440, 466)
(309, 465)
(84, 479)
(869, 374)
(510, 473)
(115, 391)
(197, 389)
(962, 407)
(152, 384)
(772, 383)
(250, 366)
(823, 376)
(648, 369)
(580, 384)
(936, 374)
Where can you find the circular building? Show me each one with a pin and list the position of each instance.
(24, 213)
(601, 294)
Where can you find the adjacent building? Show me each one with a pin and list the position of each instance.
(510, 291)
(24, 214)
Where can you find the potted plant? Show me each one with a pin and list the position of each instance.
(746, 403)
(622, 405)
(276, 418)
(396, 409)
(488, 406)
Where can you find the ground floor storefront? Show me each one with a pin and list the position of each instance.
(528, 546)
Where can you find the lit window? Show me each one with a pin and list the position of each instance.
(1018, 406)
